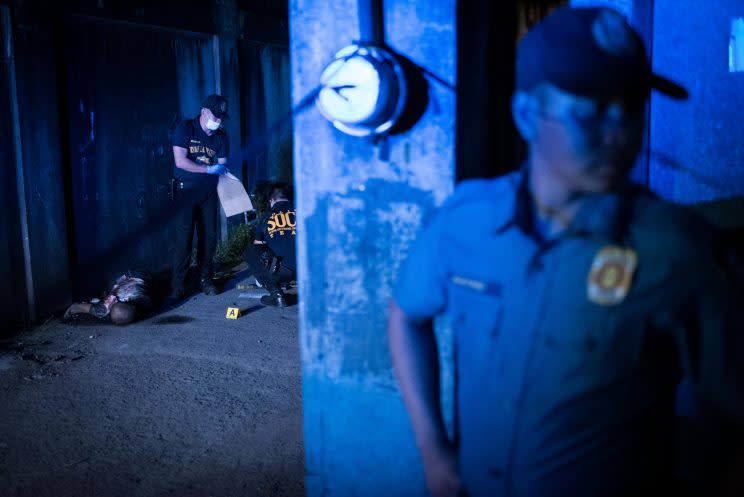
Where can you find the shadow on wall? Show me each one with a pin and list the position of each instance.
(728, 215)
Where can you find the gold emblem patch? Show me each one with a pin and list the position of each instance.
(611, 275)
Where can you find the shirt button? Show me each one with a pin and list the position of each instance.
(495, 473)
(507, 405)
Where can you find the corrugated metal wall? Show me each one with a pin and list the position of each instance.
(125, 85)
(39, 173)
(265, 103)
(11, 256)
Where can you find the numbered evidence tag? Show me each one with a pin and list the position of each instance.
(611, 275)
(232, 313)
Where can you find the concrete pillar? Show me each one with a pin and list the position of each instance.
(357, 215)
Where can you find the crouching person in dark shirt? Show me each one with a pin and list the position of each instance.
(127, 300)
(272, 256)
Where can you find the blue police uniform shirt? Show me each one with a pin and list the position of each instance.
(557, 395)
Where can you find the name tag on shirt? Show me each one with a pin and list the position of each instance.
(476, 285)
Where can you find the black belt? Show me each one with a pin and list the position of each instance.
(177, 186)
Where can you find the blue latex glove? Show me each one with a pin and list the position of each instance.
(217, 169)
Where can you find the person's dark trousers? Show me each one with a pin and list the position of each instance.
(257, 264)
(195, 210)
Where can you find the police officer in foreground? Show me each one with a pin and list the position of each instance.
(588, 302)
(200, 151)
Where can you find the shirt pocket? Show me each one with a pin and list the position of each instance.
(476, 310)
(589, 338)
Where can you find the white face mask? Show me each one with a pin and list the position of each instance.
(212, 125)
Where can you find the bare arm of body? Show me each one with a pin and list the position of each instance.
(77, 308)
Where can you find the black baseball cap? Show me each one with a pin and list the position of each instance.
(591, 52)
(217, 104)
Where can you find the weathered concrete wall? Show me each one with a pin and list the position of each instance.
(698, 151)
(357, 215)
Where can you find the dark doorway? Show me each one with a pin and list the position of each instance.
(488, 32)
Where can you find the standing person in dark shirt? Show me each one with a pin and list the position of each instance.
(200, 150)
(272, 256)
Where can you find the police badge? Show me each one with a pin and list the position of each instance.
(611, 275)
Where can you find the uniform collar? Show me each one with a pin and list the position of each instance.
(601, 215)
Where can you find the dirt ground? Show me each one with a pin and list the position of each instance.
(186, 403)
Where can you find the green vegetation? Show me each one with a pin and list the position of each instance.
(230, 252)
